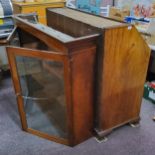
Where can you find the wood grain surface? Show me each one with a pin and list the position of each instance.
(125, 63)
(82, 75)
(89, 19)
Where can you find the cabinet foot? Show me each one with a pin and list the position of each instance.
(101, 135)
(101, 139)
(135, 123)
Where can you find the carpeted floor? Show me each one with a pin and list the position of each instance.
(123, 141)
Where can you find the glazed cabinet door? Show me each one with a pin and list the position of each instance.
(39, 81)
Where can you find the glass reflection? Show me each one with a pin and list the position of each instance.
(42, 84)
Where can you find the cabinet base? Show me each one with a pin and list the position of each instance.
(101, 134)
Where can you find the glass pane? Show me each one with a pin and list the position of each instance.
(42, 84)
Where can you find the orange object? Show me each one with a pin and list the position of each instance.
(118, 14)
(37, 7)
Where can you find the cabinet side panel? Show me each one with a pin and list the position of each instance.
(83, 65)
(125, 63)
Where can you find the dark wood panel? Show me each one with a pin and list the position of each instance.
(69, 25)
(87, 18)
(82, 68)
(48, 40)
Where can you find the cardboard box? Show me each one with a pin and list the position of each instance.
(118, 14)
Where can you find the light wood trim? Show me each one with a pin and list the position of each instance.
(16, 83)
(36, 53)
(69, 103)
(46, 136)
(38, 3)
(9, 38)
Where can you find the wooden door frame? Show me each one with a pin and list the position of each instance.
(45, 55)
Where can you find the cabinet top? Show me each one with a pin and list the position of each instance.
(93, 20)
(36, 28)
(38, 3)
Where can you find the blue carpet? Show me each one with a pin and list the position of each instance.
(123, 141)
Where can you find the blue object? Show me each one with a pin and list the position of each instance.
(130, 19)
(91, 6)
(6, 12)
(6, 8)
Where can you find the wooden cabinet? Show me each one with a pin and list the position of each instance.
(122, 62)
(53, 75)
(37, 7)
(78, 74)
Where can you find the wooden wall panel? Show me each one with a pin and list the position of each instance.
(125, 62)
(69, 26)
(82, 68)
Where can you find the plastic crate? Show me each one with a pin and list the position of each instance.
(149, 91)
